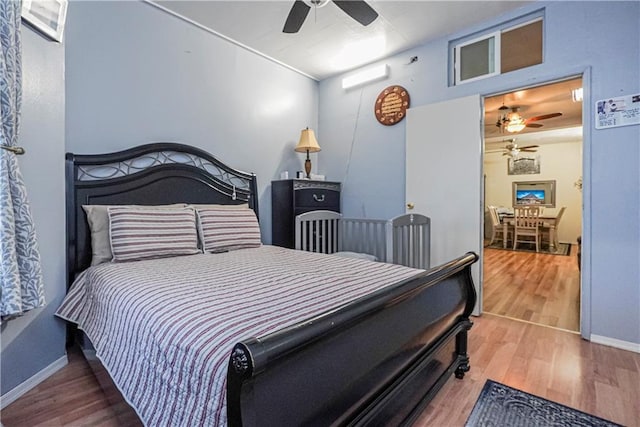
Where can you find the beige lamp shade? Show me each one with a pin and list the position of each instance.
(307, 142)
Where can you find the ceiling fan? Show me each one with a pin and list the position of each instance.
(512, 150)
(357, 9)
(514, 122)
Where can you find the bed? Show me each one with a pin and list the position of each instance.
(374, 351)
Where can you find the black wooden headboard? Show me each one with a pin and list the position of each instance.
(151, 174)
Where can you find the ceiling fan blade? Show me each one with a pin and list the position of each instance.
(543, 117)
(529, 146)
(297, 15)
(534, 125)
(358, 10)
(528, 151)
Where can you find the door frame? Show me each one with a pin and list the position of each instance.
(585, 267)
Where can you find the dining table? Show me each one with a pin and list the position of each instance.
(548, 219)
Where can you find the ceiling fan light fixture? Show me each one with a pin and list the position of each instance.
(316, 3)
(514, 122)
(515, 125)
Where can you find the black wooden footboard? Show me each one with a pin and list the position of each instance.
(375, 361)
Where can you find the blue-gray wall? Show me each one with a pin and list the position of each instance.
(36, 340)
(576, 40)
(136, 74)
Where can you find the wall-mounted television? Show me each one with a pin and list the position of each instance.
(534, 193)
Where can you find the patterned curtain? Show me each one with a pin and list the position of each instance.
(21, 284)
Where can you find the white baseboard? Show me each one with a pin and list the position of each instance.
(14, 394)
(612, 342)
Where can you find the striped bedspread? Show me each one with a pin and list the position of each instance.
(164, 328)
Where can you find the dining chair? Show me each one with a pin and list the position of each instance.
(497, 226)
(526, 225)
(545, 228)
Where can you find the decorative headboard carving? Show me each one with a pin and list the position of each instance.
(150, 174)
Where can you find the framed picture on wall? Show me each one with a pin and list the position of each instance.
(46, 16)
(523, 165)
(537, 193)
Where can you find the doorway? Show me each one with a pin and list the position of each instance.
(534, 135)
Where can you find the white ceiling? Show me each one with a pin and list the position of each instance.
(330, 42)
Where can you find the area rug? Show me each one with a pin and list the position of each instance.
(562, 249)
(500, 405)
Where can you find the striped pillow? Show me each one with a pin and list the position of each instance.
(152, 233)
(223, 229)
(98, 220)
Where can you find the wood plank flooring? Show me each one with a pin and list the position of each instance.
(535, 287)
(551, 363)
(70, 397)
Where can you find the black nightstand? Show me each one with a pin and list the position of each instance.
(291, 197)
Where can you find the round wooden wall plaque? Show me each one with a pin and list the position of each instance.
(391, 105)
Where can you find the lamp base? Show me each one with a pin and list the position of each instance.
(307, 168)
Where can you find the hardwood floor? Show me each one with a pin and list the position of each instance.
(70, 397)
(551, 363)
(535, 287)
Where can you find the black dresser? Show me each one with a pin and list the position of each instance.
(291, 197)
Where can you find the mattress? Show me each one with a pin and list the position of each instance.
(164, 328)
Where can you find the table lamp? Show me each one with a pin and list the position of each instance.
(309, 144)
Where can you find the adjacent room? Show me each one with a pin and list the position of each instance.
(537, 278)
(172, 169)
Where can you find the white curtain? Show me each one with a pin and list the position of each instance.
(21, 284)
